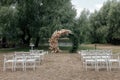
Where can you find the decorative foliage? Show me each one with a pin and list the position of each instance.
(53, 41)
(75, 42)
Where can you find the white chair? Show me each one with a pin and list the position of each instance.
(30, 62)
(19, 61)
(8, 62)
(39, 55)
(42, 55)
(89, 62)
(40, 51)
(96, 59)
(102, 62)
(114, 61)
(36, 51)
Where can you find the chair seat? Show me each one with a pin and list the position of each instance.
(10, 61)
(101, 60)
(30, 60)
(22, 60)
(113, 60)
(90, 60)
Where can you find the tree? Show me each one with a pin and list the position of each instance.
(35, 19)
(83, 26)
(8, 24)
(56, 17)
(114, 22)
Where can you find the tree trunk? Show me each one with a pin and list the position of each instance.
(4, 42)
(37, 41)
(29, 37)
(28, 40)
(23, 38)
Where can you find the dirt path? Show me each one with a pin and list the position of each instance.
(60, 67)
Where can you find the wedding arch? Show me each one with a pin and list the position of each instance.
(53, 41)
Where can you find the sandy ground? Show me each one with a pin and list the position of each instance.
(63, 66)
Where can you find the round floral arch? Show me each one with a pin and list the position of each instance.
(53, 41)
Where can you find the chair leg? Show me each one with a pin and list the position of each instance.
(4, 67)
(83, 64)
(107, 66)
(96, 67)
(25, 66)
(110, 65)
(34, 66)
(119, 63)
(86, 66)
(12, 66)
(15, 66)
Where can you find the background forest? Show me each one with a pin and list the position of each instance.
(26, 21)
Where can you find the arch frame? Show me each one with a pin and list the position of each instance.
(53, 41)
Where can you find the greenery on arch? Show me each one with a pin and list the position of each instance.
(75, 42)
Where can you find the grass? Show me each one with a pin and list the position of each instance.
(83, 47)
(63, 48)
(115, 49)
(7, 50)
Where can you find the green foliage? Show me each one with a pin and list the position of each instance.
(98, 32)
(34, 20)
(22, 21)
(58, 16)
(8, 28)
(114, 22)
(101, 26)
(75, 42)
(83, 26)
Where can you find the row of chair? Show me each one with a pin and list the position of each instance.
(23, 60)
(98, 59)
